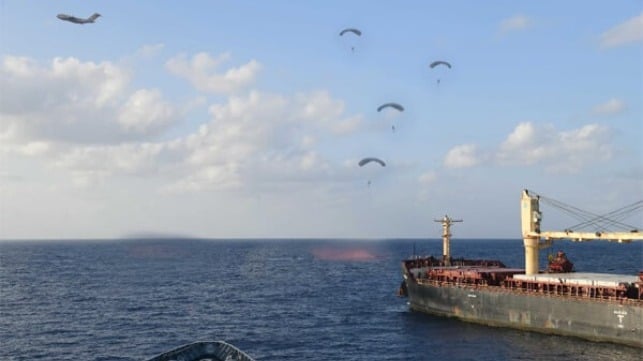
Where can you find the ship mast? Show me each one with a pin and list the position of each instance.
(534, 239)
(446, 237)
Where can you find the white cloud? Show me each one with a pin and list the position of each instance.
(145, 110)
(125, 158)
(219, 177)
(250, 141)
(82, 118)
(558, 151)
(461, 156)
(516, 22)
(630, 31)
(36, 88)
(261, 120)
(323, 111)
(532, 145)
(93, 83)
(263, 137)
(90, 164)
(34, 148)
(427, 178)
(200, 71)
(522, 138)
(75, 102)
(612, 106)
(19, 66)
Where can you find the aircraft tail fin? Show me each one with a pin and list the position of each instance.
(94, 17)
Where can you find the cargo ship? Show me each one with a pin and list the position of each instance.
(556, 300)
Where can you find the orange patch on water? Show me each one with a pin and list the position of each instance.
(344, 254)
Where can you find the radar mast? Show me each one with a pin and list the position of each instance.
(446, 237)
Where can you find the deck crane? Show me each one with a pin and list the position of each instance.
(536, 239)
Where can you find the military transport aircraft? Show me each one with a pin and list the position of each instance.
(76, 20)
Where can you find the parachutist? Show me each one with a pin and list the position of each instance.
(368, 160)
(357, 32)
(440, 62)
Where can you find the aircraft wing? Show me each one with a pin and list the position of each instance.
(70, 18)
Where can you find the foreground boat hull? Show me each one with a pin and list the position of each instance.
(596, 320)
(204, 351)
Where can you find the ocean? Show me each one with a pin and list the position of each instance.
(273, 299)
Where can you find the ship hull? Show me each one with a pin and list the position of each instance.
(595, 320)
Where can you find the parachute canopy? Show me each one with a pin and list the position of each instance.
(351, 30)
(365, 161)
(440, 62)
(392, 105)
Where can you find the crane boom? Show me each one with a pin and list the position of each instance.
(620, 237)
(534, 239)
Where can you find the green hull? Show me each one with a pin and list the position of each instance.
(597, 320)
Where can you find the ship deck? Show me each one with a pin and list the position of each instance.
(580, 278)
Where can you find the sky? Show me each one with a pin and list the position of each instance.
(247, 119)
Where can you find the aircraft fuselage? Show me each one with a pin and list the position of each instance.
(77, 20)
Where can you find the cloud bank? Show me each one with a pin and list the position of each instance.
(529, 144)
(87, 119)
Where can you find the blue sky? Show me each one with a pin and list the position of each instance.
(247, 118)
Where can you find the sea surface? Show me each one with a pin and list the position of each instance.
(274, 299)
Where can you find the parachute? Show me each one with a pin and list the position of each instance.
(352, 41)
(440, 62)
(351, 30)
(365, 161)
(392, 105)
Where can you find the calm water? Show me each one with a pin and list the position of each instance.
(276, 300)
